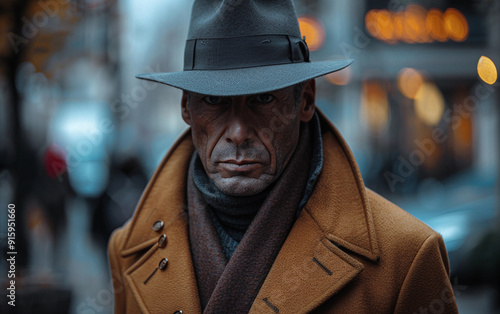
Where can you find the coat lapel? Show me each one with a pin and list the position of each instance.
(159, 289)
(313, 264)
(172, 288)
(308, 270)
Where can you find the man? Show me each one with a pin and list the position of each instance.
(259, 207)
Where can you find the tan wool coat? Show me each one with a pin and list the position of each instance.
(349, 251)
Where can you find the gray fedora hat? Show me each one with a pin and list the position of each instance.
(241, 47)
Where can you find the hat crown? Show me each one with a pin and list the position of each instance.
(237, 18)
(241, 47)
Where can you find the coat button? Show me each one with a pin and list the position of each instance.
(158, 225)
(163, 264)
(162, 240)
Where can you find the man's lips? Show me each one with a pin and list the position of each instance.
(239, 165)
(239, 162)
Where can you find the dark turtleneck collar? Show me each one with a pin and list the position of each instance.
(233, 214)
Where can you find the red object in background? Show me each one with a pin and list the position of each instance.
(54, 161)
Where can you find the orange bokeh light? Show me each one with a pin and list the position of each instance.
(417, 25)
(398, 20)
(384, 21)
(435, 25)
(313, 30)
(341, 77)
(371, 23)
(409, 82)
(455, 25)
(375, 106)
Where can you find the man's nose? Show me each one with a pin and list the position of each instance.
(239, 130)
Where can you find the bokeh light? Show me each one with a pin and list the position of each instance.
(415, 24)
(342, 77)
(374, 106)
(371, 23)
(409, 82)
(487, 70)
(429, 104)
(435, 25)
(313, 30)
(386, 27)
(399, 25)
(455, 25)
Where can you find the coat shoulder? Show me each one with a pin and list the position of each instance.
(390, 218)
(401, 236)
(117, 261)
(116, 239)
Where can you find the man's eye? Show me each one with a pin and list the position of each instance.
(264, 98)
(213, 100)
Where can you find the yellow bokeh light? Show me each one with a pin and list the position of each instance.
(341, 77)
(374, 106)
(429, 104)
(314, 31)
(409, 82)
(455, 24)
(487, 70)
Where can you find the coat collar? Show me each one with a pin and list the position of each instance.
(335, 223)
(339, 203)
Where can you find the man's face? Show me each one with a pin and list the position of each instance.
(245, 142)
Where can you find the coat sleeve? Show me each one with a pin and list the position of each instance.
(427, 287)
(116, 272)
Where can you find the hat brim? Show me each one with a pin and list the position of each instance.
(246, 81)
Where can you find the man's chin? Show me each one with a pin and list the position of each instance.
(241, 185)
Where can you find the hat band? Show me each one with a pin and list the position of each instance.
(244, 52)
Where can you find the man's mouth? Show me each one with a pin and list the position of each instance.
(243, 165)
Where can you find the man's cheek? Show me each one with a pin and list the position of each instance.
(200, 144)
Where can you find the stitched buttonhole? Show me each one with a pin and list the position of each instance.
(329, 272)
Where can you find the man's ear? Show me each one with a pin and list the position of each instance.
(308, 101)
(186, 115)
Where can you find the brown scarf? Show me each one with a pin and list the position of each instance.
(231, 287)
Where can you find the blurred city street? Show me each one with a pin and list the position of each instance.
(80, 136)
